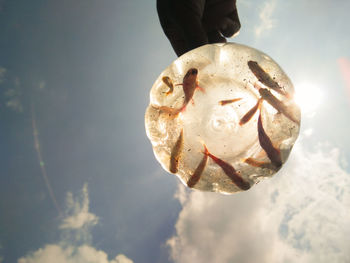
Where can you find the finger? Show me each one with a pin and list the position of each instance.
(215, 37)
(176, 39)
(181, 23)
(230, 24)
(222, 15)
(188, 18)
(215, 10)
(171, 30)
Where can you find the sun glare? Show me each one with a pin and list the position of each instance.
(308, 96)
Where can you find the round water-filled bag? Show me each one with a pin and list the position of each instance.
(222, 117)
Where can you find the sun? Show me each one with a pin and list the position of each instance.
(308, 96)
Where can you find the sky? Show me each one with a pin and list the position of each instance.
(79, 181)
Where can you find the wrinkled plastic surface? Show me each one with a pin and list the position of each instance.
(180, 130)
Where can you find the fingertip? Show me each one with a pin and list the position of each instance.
(228, 27)
(216, 37)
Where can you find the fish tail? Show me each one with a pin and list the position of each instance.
(183, 108)
(206, 151)
(273, 153)
(256, 85)
(192, 181)
(288, 95)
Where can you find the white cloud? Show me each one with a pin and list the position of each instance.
(14, 104)
(308, 132)
(302, 213)
(12, 95)
(78, 224)
(71, 254)
(265, 15)
(79, 211)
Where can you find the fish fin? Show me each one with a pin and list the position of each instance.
(201, 89)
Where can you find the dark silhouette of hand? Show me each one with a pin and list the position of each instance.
(191, 23)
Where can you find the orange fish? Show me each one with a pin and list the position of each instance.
(277, 104)
(265, 143)
(265, 78)
(224, 102)
(189, 85)
(168, 110)
(198, 172)
(257, 163)
(250, 113)
(229, 171)
(176, 153)
(167, 81)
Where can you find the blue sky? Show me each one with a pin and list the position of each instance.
(86, 67)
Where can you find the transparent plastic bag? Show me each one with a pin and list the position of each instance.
(222, 117)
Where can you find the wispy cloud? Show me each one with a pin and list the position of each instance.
(266, 20)
(78, 211)
(12, 92)
(77, 222)
(301, 213)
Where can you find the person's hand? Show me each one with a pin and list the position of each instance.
(191, 23)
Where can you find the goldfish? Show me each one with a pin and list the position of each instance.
(224, 102)
(168, 110)
(250, 113)
(198, 172)
(265, 143)
(265, 78)
(260, 164)
(229, 171)
(176, 153)
(167, 81)
(277, 104)
(189, 85)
